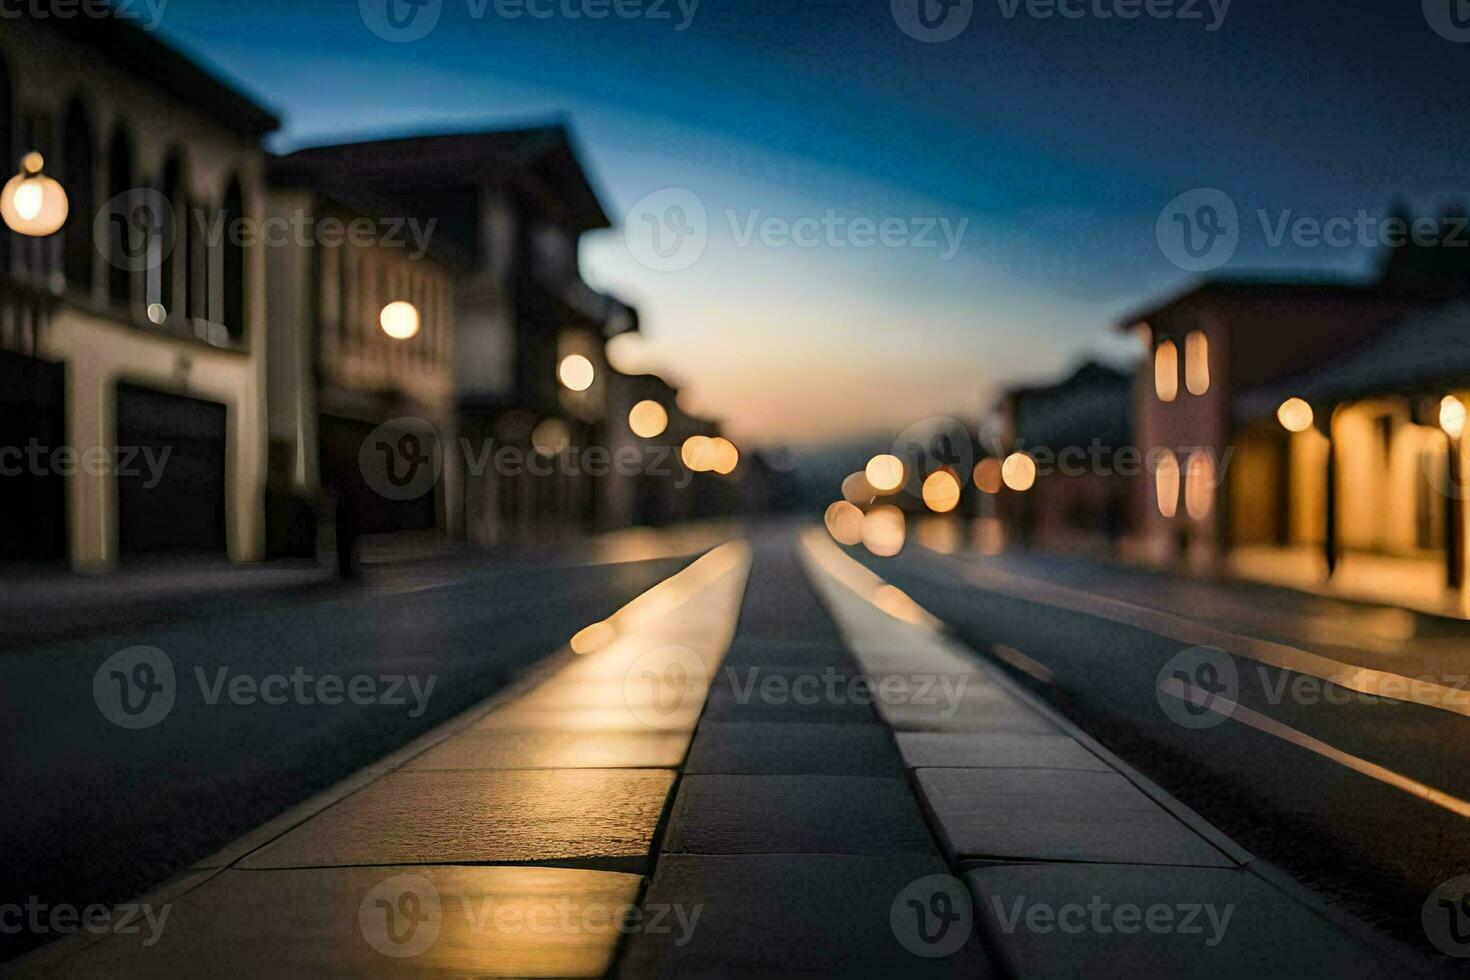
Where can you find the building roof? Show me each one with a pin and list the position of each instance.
(1423, 350)
(141, 54)
(445, 173)
(1264, 286)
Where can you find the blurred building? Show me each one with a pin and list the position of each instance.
(1074, 431)
(148, 336)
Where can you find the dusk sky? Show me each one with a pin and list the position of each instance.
(1053, 143)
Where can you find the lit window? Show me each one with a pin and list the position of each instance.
(1166, 371)
(1199, 486)
(1197, 362)
(1166, 483)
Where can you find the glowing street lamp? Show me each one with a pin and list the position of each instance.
(32, 203)
(1295, 415)
(1452, 416)
(399, 320)
(576, 372)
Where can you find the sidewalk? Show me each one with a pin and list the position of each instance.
(957, 830)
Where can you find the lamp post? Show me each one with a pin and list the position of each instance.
(32, 203)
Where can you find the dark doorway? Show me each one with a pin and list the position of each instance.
(373, 513)
(178, 500)
(32, 428)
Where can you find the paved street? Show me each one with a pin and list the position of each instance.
(95, 812)
(1363, 799)
(771, 762)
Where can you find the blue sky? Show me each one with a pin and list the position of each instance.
(1056, 141)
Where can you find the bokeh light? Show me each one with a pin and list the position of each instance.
(399, 319)
(698, 453)
(592, 638)
(576, 372)
(941, 491)
(1452, 416)
(857, 490)
(884, 473)
(648, 419)
(1018, 472)
(883, 530)
(1295, 415)
(987, 475)
(551, 437)
(725, 456)
(1166, 483)
(844, 522)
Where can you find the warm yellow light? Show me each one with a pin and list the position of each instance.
(550, 437)
(1166, 483)
(941, 491)
(844, 522)
(1199, 486)
(1166, 371)
(576, 372)
(1295, 415)
(32, 203)
(987, 475)
(883, 528)
(1197, 362)
(725, 456)
(884, 473)
(1452, 416)
(1018, 472)
(399, 319)
(857, 490)
(648, 419)
(593, 638)
(698, 453)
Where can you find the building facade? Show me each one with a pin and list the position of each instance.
(139, 330)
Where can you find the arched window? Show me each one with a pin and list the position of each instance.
(1196, 362)
(233, 266)
(8, 162)
(77, 178)
(124, 241)
(1166, 371)
(173, 277)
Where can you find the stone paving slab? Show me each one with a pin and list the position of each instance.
(592, 817)
(716, 814)
(728, 705)
(451, 921)
(1057, 815)
(995, 750)
(619, 718)
(1090, 920)
(976, 708)
(784, 915)
(793, 748)
(555, 750)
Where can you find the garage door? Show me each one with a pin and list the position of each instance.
(32, 428)
(172, 496)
